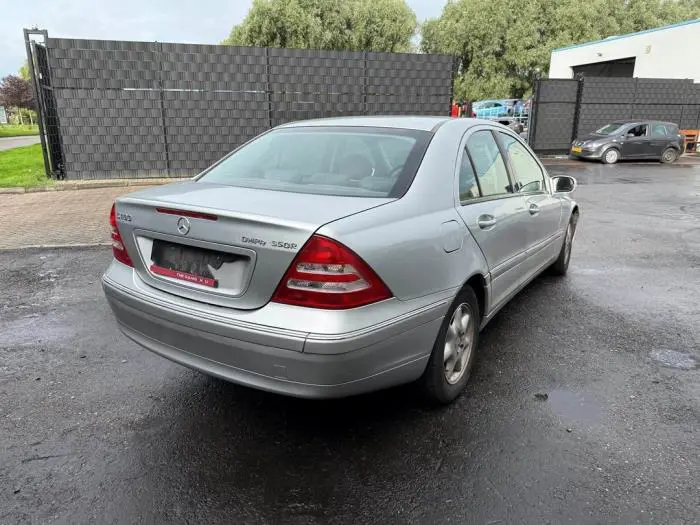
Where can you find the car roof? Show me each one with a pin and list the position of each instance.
(388, 121)
(632, 122)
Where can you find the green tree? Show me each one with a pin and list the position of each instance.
(350, 25)
(24, 71)
(502, 45)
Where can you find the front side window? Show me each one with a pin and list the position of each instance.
(357, 162)
(637, 131)
(527, 171)
(489, 165)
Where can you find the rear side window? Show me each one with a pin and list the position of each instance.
(350, 161)
(659, 131)
(488, 164)
(468, 185)
(527, 172)
(672, 130)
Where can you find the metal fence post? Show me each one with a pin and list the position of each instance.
(162, 108)
(364, 82)
(268, 88)
(39, 101)
(577, 109)
(532, 118)
(455, 65)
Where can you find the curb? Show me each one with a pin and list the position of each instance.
(92, 185)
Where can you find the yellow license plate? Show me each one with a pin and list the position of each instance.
(576, 149)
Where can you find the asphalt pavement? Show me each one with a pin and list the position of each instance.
(584, 404)
(16, 142)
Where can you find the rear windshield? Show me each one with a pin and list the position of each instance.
(351, 161)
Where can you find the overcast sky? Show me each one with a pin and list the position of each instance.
(189, 21)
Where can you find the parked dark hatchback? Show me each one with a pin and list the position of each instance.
(631, 140)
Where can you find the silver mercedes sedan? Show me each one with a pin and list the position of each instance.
(333, 257)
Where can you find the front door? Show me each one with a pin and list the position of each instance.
(635, 142)
(494, 213)
(544, 210)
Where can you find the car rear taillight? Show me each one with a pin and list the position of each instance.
(326, 274)
(118, 248)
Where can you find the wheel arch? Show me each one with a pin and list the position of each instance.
(479, 284)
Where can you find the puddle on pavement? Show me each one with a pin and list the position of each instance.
(673, 359)
(571, 406)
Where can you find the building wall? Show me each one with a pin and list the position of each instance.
(670, 52)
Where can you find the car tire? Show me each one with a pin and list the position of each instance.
(669, 156)
(561, 265)
(610, 156)
(446, 376)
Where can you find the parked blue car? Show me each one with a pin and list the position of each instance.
(490, 109)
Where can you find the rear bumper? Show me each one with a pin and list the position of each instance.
(298, 363)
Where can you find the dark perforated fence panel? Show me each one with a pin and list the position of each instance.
(145, 109)
(564, 109)
(553, 114)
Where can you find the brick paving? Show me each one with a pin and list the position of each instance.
(57, 217)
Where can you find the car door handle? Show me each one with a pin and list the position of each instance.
(486, 221)
(534, 209)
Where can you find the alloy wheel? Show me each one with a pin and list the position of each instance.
(611, 156)
(568, 243)
(459, 343)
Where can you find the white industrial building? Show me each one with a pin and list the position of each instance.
(665, 52)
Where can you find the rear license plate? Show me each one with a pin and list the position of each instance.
(184, 276)
(187, 263)
(576, 149)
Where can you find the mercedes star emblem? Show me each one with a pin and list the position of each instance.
(183, 225)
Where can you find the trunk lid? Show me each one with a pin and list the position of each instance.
(221, 244)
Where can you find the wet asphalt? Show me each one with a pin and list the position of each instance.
(584, 405)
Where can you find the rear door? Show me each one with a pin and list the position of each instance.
(495, 215)
(544, 210)
(675, 139)
(659, 139)
(636, 141)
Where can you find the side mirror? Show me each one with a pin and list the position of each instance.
(563, 184)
